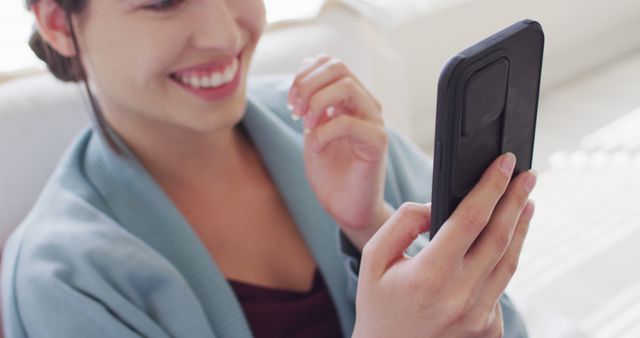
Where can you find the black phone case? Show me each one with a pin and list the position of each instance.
(487, 105)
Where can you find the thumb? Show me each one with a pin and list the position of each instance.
(388, 244)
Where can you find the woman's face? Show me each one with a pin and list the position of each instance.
(176, 63)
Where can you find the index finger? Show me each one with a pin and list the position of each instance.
(466, 223)
(309, 64)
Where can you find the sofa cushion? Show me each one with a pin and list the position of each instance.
(39, 116)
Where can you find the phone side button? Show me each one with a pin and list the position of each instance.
(439, 155)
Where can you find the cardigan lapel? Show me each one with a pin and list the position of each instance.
(139, 205)
(281, 150)
(137, 202)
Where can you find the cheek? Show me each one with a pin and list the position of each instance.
(252, 14)
(129, 78)
(155, 58)
(136, 64)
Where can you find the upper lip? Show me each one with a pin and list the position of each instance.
(208, 67)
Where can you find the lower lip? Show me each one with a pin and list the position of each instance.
(217, 93)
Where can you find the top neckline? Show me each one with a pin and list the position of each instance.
(259, 290)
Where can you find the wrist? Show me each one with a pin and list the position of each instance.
(359, 236)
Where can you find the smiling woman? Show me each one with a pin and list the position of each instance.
(198, 205)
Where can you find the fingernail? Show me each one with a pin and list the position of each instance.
(330, 111)
(289, 106)
(508, 163)
(306, 130)
(295, 117)
(530, 182)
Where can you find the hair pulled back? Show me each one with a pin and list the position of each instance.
(70, 69)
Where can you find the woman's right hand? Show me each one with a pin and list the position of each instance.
(451, 288)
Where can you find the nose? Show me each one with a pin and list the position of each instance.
(215, 27)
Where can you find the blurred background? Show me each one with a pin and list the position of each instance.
(579, 274)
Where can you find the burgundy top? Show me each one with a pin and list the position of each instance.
(276, 313)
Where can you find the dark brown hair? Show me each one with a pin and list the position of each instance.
(70, 69)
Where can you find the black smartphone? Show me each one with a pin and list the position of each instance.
(487, 105)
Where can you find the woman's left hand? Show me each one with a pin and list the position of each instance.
(345, 145)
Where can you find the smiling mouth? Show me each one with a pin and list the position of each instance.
(208, 79)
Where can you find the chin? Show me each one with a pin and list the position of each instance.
(224, 118)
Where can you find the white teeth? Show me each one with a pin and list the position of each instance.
(195, 81)
(205, 82)
(214, 80)
(230, 72)
(228, 75)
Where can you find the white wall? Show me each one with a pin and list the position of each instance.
(580, 35)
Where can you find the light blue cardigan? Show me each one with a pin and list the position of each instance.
(104, 252)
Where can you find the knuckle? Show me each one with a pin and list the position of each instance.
(348, 84)
(502, 240)
(367, 250)
(511, 265)
(521, 196)
(499, 183)
(346, 123)
(458, 309)
(472, 219)
(336, 65)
